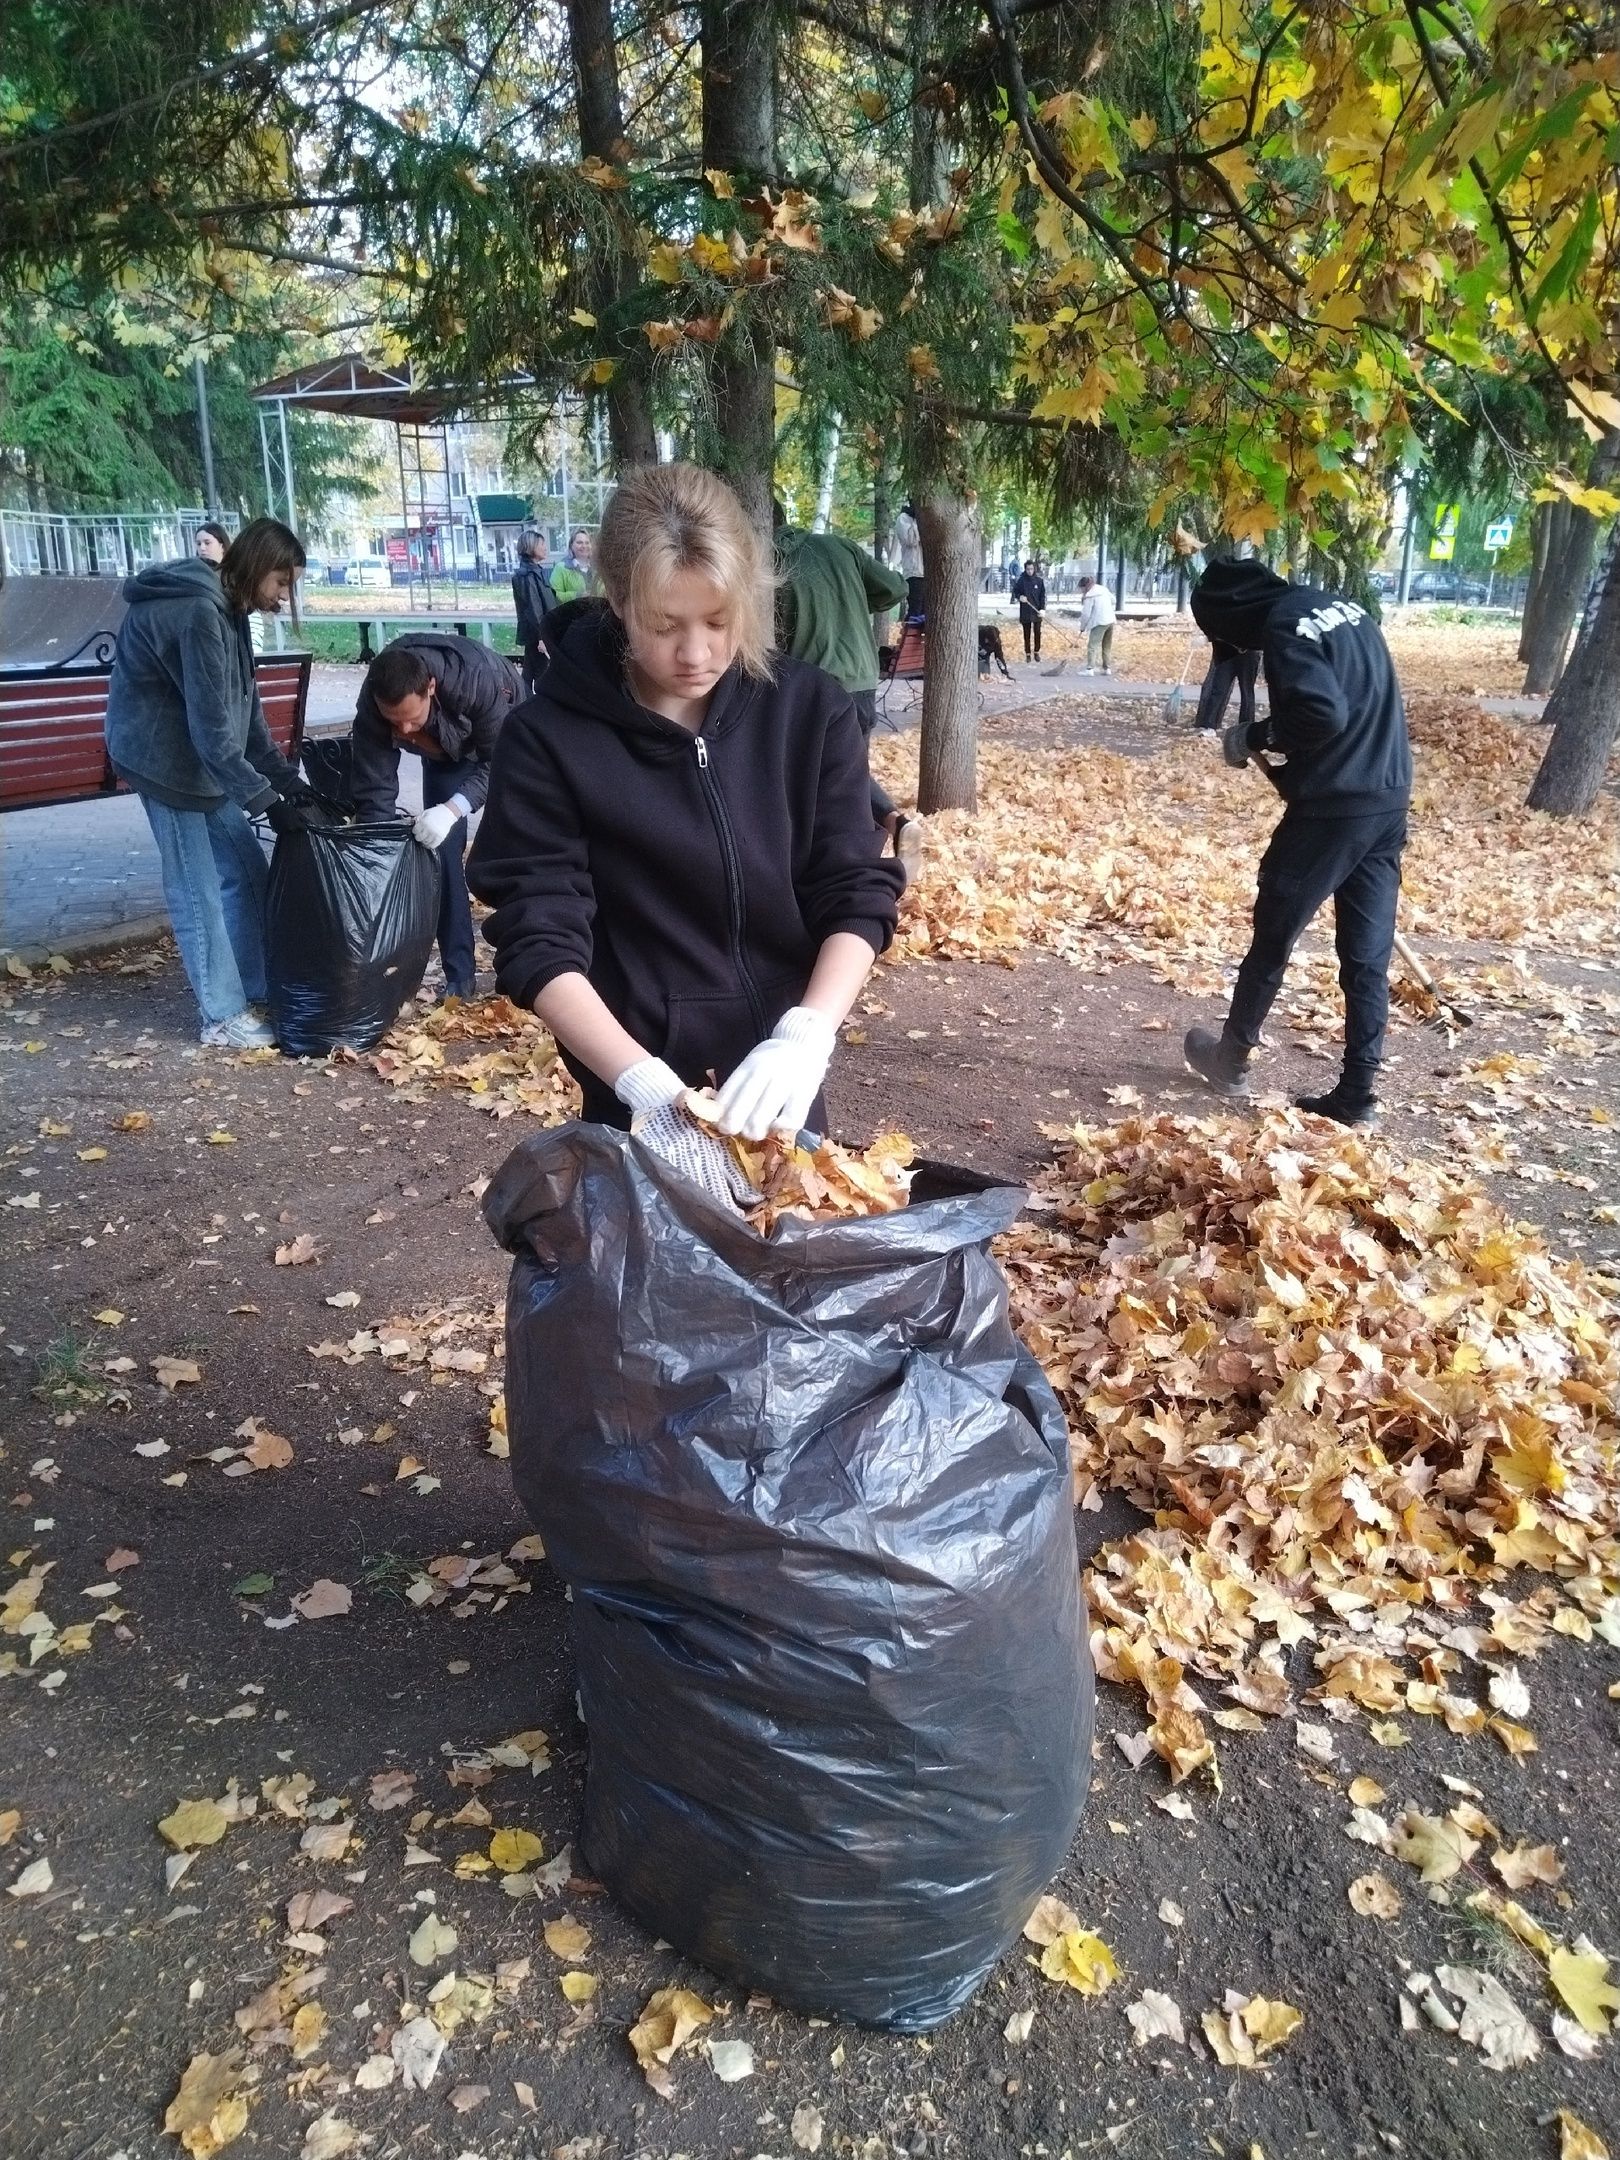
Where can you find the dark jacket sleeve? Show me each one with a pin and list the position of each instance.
(375, 767)
(529, 863)
(480, 687)
(1307, 701)
(844, 883)
(528, 625)
(212, 693)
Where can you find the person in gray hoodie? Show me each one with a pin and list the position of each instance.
(186, 731)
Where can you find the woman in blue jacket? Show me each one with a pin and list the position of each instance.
(186, 731)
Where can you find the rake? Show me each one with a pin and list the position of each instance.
(1447, 1015)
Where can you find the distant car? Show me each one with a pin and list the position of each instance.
(371, 573)
(315, 570)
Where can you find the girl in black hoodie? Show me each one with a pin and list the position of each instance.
(678, 844)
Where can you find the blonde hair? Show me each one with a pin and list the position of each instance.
(662, 520)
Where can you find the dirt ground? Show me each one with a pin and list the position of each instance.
(149, 1188)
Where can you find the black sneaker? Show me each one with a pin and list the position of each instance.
(1342, 1105)
(1220, 1059)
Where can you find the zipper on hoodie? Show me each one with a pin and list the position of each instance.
(733, 871)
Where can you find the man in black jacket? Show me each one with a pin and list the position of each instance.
(1029, 590)
(535, 600)
(1335, 747)
(442, 698)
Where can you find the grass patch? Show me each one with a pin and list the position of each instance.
(63, 1374)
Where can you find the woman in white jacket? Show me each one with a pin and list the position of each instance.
(907, 537)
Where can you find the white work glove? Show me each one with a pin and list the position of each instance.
(652, 1091)
(779, 1078)
(434, 827)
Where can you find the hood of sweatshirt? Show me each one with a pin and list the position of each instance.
(1232, 603)
(586, 676)
(189, 578)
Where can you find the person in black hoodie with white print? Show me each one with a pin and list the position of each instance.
(678, 846)
(1336, 749)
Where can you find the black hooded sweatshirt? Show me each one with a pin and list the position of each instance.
(1336, 711)
(691, 878)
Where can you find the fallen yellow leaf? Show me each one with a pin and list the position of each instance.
(208, 2112)
(194, 1823)
(1080, 1960)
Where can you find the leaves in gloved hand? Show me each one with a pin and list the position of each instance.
(818, 1185)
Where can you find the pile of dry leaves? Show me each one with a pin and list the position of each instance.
(1358, 1403)
(520, 1070)
(823, 1183)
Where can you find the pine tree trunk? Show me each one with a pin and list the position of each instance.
(739, 136)
(947, 521)
(631, 433)
(1584, 709)
(1540, 539)
(948, 779)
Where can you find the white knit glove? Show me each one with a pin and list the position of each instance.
(435, 826)
(779, 1078)
(651, 1091)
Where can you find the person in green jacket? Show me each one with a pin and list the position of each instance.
(575, 578)
(830, 591)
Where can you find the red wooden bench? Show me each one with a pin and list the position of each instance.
(51, 728)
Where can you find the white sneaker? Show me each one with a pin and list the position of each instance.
(240, 1032)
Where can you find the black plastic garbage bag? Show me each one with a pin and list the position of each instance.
(812, 1497)
(349, 922)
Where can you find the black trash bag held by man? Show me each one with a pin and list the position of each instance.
(812, 1498)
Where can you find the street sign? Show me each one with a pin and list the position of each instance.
(1444, 543)
(1497, 534)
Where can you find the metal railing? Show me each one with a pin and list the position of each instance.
(89, 543)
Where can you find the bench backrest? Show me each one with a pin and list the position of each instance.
(52, 746)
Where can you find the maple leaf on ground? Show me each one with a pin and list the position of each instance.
(1081, 1960)
(1155, 2017)
(1581, 1977)
(1491, 2020)
(209, 2111)
(1248, 2028)
(1525, 1865)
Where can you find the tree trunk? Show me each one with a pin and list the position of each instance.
(1567, 575)
(631, 433)
(739, 136)
(1540, 537)
(947, 520)
(948, 779)
(1584, 709)
(1571, 548)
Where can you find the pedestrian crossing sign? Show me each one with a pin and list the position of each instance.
(1443, 545)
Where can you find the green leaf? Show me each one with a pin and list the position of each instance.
(1014, 237)
(1551, 126)
(1567, 263)
(253, 1586)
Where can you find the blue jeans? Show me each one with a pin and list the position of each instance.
(214, 878)
(441, 780)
